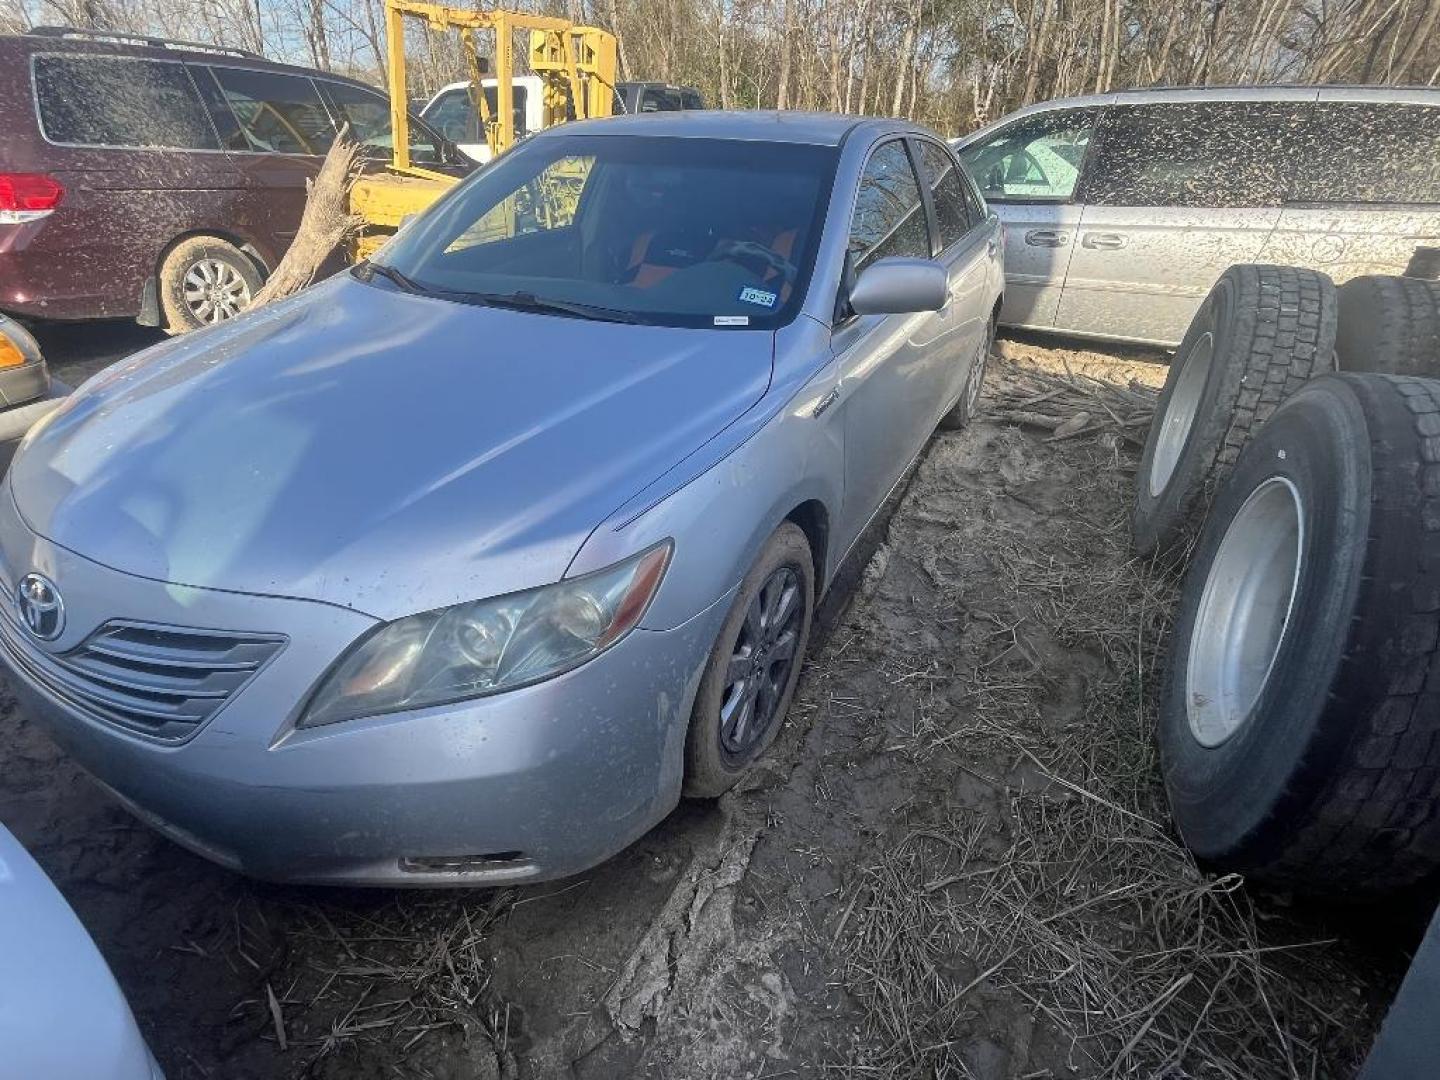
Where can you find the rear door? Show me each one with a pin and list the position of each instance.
(1365, 195)
(138, 157)
(277, 130)
(1028, 170)
(962, 243)
(1175, 192)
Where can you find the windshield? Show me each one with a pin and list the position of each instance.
(669, 231)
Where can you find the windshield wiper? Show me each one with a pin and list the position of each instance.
(395, 277)
(526, 301)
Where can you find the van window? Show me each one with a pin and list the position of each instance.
(1369, 152)
(368, 115)
(947, 191)
(889, 216)
(1205, 154)
(111, 101)
(1034, 159)
(276, 113)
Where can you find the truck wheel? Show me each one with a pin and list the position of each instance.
(205, 280)
(1389, 324)
(1299, 722)
(963, 410)
(1259, 336)
(753, 668)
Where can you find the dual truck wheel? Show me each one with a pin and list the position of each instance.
(1300, 714)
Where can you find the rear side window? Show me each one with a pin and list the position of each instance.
(276, 113)
(1034, 159)
(1360, 152)
(1203, 154)
(947, 191)
(110, 101)
(889, 216)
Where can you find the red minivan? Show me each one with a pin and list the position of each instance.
(162, 180)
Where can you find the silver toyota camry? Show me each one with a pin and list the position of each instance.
(464, 565)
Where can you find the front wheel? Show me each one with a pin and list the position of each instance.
(964, 410)
(753, 667)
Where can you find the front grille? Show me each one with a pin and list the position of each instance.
(160, 681)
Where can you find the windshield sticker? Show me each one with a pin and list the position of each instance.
(752, 295)
(732, 320)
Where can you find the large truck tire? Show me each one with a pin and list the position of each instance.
(1389, 324)
(1299, 722)
(1260, 335)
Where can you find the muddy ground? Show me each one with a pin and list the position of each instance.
(956, 862)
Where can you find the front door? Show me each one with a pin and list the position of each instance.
(1176, 193)
(888, 372)
(1027, 170)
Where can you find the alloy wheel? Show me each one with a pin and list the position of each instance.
(761, 662)
(214, 290)
(977, 369)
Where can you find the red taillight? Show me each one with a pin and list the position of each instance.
(29, 192)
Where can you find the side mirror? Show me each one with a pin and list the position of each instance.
(899, 286)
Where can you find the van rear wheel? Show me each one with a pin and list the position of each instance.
(205, 280)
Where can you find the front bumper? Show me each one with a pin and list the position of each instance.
(540, 782)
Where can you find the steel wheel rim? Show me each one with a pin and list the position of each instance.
(761, 662)
(214, 290)
(1180, 412)
(1244, 611)
(977, 370)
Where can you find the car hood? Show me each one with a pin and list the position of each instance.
(382, 451)
(61, 1013)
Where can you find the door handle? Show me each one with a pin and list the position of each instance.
(1105, 241)
(1047, 238)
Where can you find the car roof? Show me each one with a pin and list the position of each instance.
(816, 129)
(59, 40)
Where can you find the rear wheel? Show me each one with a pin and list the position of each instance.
(205, 280)
(750, 677)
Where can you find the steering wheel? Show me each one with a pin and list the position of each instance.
(746, 252)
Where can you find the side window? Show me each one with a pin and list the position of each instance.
(889, 216)
(368, 115)
(548, 201)
(1034, 159)
(105, 101)
(947, 191)
(659, 99)
(453, 116)
(276, 113)
(691, 99)
(518, 95)
(1369, 152)
(1201, 154)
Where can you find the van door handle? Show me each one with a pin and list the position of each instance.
(1047, 238)
(1105, 241)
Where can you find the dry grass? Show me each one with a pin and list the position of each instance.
(1067, 889)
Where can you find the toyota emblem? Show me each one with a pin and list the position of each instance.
(40, 607)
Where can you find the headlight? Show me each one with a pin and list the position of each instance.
(487, 646)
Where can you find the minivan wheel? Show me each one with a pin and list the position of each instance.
(1260, 335)
(205, 280)
(964, 410)
(1299, 738)
(1389, 324)
(750, 677)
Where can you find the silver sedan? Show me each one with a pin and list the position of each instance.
(464, 565)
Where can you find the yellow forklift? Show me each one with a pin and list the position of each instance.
(576, 65)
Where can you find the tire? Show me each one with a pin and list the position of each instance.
(1389, 324)
(963, 411)
(1301, 744)
(711, 766)
(205, 280)
(1259, 336)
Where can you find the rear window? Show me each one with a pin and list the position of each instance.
(1360, 152)
(1201, 154)
(112, 101)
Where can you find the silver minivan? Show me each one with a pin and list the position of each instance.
(1123, 209)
